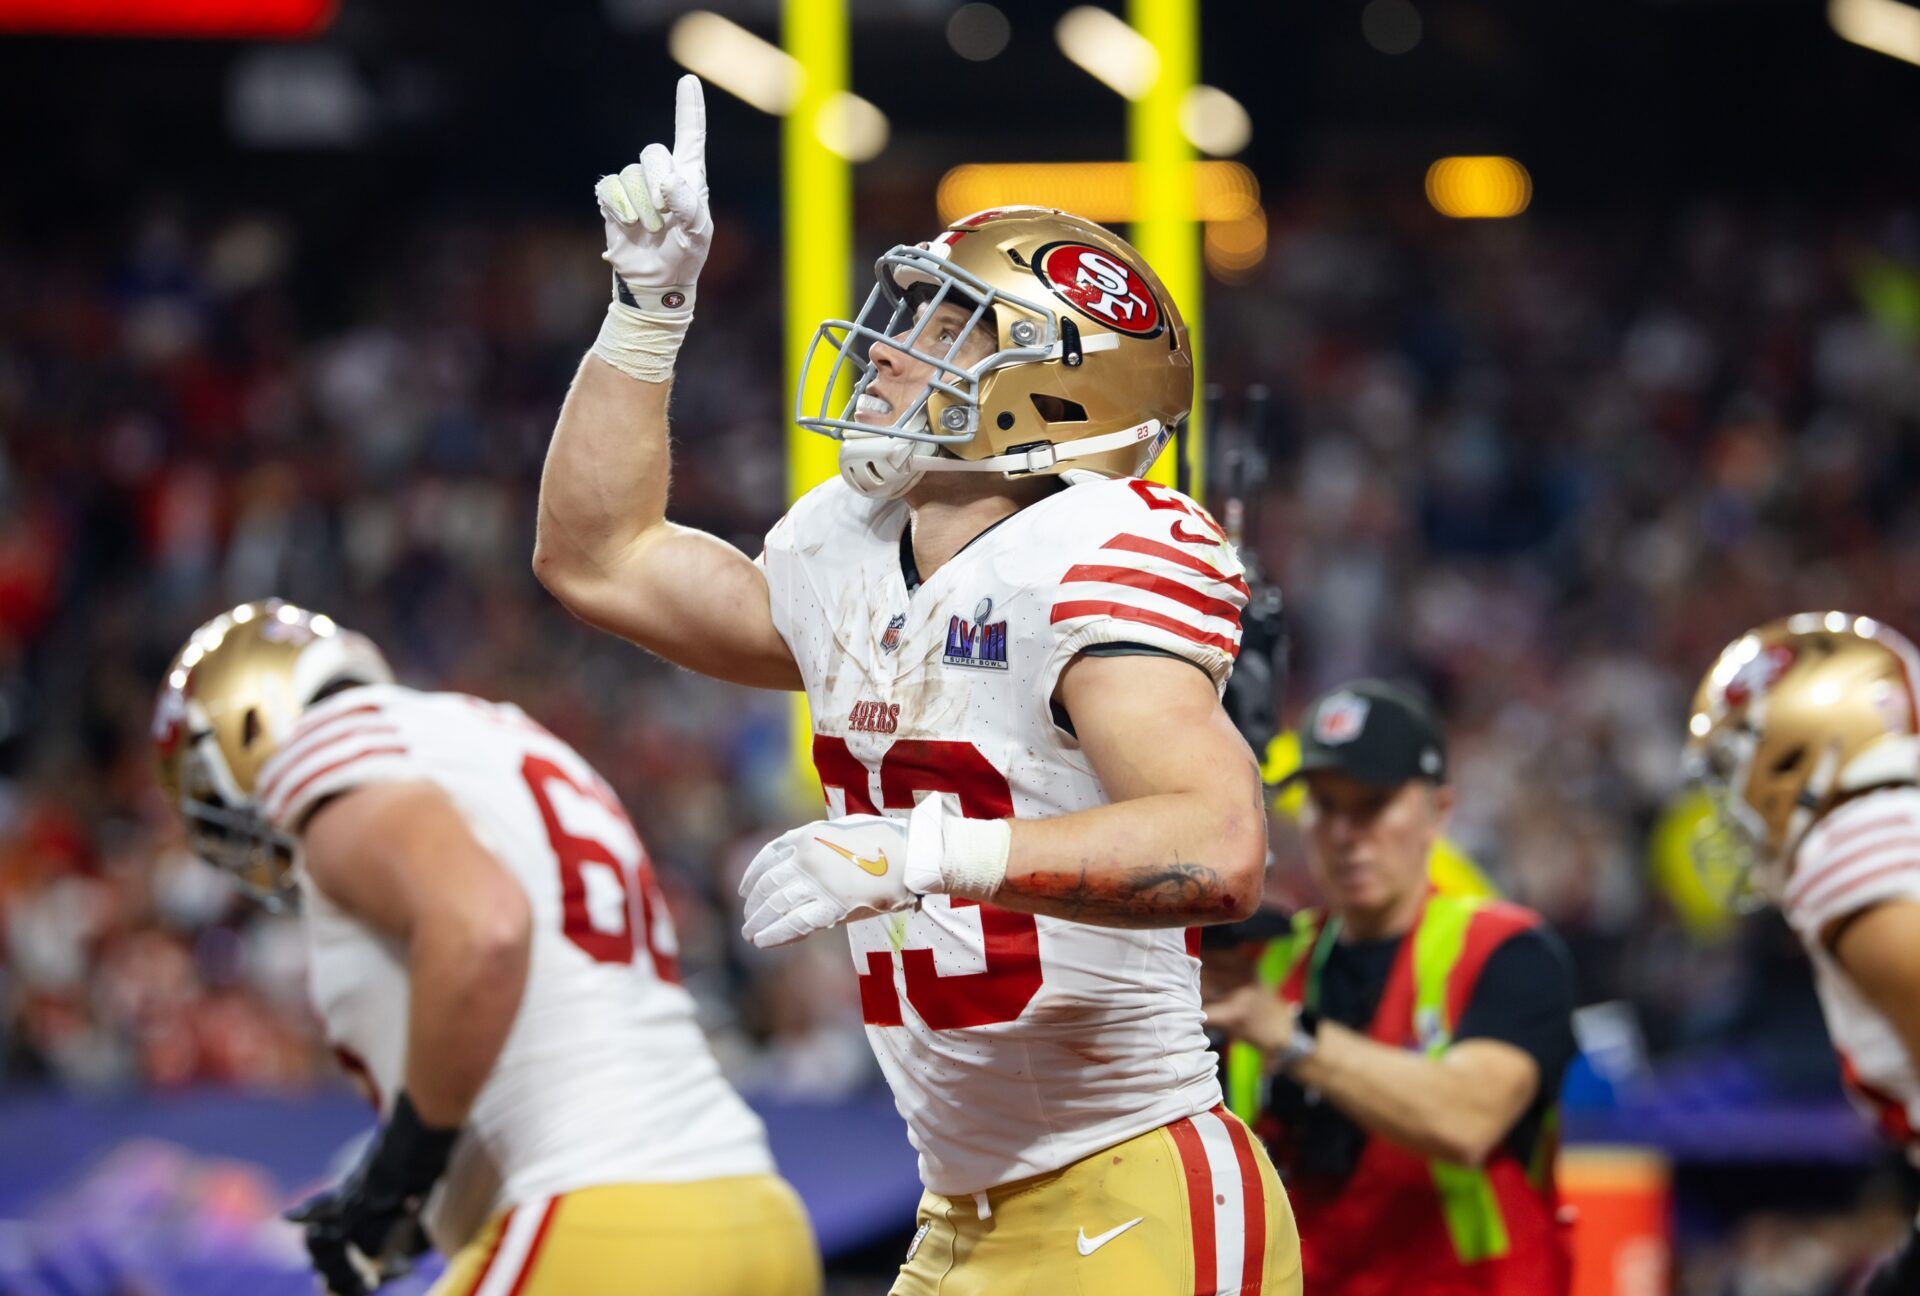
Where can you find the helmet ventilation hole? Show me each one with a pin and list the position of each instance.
(1791, 759)
(1058, 409)
(250, 727)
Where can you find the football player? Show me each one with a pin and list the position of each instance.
(1806, 734)
(1013, 648)
(490, 957)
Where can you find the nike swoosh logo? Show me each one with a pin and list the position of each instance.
(877, 867)
(1088, 1245)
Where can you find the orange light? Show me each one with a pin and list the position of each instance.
(1100, 191)
(1479, 188)
(1235, 248)
(1226, 201)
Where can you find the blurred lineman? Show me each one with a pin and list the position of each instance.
(1014, 677)
(490, 957)
(1806, 734)
(1415, 1041)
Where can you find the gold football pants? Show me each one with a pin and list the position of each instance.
(1191, 1209)
(744, 1236)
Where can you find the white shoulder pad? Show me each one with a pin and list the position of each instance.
(1141, 563)
(1866, 851)
(357, 737)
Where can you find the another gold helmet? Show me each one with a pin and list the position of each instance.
(1794, 716)
(1091, 367)
(229, 700)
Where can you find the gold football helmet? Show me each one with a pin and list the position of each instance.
(229, 700)
(1793, 716)
(1090, 369)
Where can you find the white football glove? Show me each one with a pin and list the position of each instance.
(835, 871)
(659, 228)
(823, 874)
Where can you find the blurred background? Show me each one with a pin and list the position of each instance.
(289, 296)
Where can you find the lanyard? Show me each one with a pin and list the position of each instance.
(1322, 951)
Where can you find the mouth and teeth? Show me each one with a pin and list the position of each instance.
(873, 406)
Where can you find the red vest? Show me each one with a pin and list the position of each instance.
(1400, 1225)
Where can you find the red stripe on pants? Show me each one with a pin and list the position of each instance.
(493, 1253)
(1253, 1200)
(1193, 1160)
(533, 1250)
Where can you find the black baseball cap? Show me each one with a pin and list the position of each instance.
(1373, 731)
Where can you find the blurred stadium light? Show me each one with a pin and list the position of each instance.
(978, 32)
(1391, 26)
(1885, 26)
(723, 53)
(1109, 50)
(851, 127)
(1214, 121)
(304, 97)
(1101, 191)
(1478, 188)
(1226, 201)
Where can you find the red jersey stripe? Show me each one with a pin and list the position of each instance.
(1161, 585)
(1193, 1162)
(1253, 1205)
(1802, 887)
(310, 725)
(493, 1253)
(533, 1249)
(1852, 884)
(293, 794)
(1839, 836)
(1179, 558)
(1126, 612)
(287, 760)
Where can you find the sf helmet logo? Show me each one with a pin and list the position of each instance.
(1757, 676)
(1100, 286)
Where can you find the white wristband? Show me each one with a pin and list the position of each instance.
(956, 856)
(641, 344)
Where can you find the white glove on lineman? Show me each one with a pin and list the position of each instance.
(658, 230)
(834, 871)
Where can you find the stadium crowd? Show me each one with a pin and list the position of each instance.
(1545, 468)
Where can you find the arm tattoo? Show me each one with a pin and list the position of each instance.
(1148, 896)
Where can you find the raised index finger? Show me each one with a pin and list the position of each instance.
(690, 130)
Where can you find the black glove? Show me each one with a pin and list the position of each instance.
(1252, 699)
(1899, 1273)
(365, 1230)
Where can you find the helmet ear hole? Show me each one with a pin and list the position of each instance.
(250, 727)
(1058, 409)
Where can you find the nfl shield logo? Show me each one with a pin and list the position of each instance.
(1341, 719)
(891, 639)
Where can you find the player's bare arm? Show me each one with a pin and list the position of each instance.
(1456, 1107)
(400, 857)
(1184, 842)
(605, 547)
(1879, 949)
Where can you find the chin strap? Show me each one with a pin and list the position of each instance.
(1046, 455)
(885, 467)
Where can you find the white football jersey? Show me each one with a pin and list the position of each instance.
(605, 1076)
(1865, 852)
(1015, 1045)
